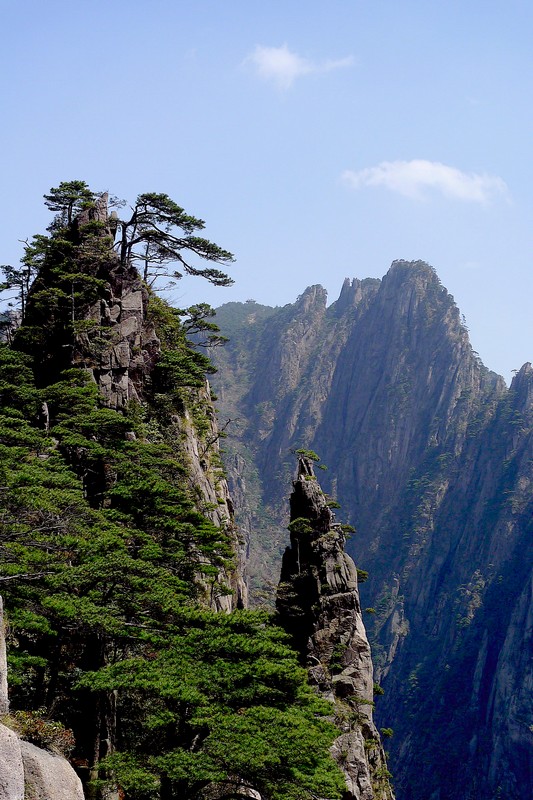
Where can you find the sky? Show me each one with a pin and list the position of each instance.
(318, 140)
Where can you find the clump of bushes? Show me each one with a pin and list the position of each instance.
(40, 730)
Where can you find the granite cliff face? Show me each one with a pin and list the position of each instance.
(123, 370)
(430, 456)
(318, 604)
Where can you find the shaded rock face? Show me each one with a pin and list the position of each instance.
(318, 604)
(431, 457)
(215, 502)
(461, 633)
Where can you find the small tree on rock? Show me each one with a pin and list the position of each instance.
(68, 199)
(159, 233)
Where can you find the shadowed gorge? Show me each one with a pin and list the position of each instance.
(430, 456)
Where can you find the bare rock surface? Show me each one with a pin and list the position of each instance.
(318, 604)
(431, 457)
(48, 776)
(11, 767)
(4, 698)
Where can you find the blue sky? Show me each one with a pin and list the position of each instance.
(319, 140)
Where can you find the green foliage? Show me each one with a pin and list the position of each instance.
(333, 504)
(300, 526)
(249, 712)
(159, 233)
(69, 268)
(336, 663)
(310, 454)
(347, 529)
(196, 323)
(67, 199)
(180, 365)
(362, 575)
(105, 557)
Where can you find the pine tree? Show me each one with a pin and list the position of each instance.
(104, 557)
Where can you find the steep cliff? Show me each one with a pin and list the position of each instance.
(123, 374)
(115, 516)
(116, 341)
(466, 597)
(429, 455)
(318, 604)
(117, 546)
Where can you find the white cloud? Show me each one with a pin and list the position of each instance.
(280, 65)
(418, 177)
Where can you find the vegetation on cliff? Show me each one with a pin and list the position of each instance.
(107, 563)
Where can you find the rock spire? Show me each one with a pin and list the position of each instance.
(318, 605)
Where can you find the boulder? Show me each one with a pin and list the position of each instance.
(48, 776)
(11, 767)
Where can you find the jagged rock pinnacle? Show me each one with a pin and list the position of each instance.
(318, 604)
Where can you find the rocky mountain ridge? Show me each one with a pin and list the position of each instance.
(429, 455)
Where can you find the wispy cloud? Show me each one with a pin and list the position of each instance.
(282, 67)
(417, 178)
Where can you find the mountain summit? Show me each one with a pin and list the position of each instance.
(430, 456)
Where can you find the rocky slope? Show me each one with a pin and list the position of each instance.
(125, 360)
(109, 450)
(88, 311)
(430, 456)
(318, 604)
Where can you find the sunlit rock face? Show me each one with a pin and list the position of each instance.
(430, 456)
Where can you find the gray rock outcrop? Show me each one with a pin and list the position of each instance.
(11, 766)
(48, 776)
(318, 605)
(4, 697)
(29, 773)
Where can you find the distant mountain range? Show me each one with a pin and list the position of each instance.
(430, 457)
